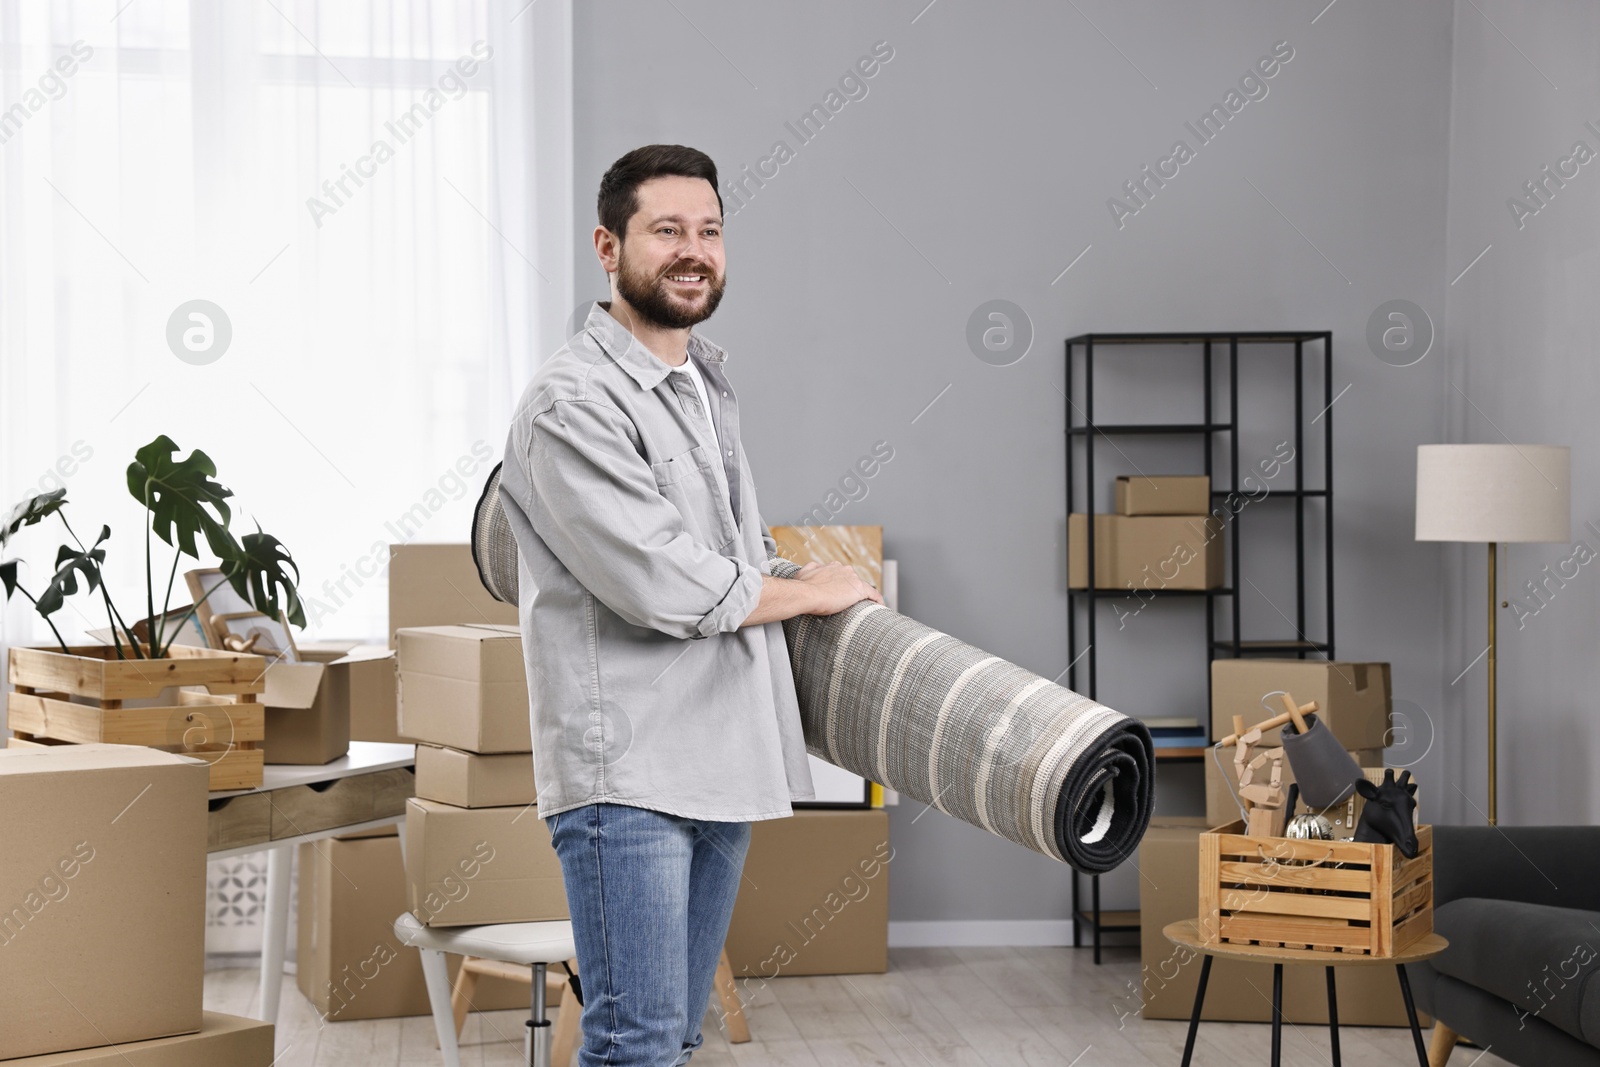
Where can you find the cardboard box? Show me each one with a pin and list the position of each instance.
(480, 865)
(464, 687)
(350, 965)
(469, 780)
(312, 707)
(372, 691)
(1146, 552)
(103, 886)
(1169, 890)
(1352, 698)
(222, 1039)
(1105, 552)
(435, 585)
(369, 683)
(1221, 785)
(1184, 494)
(814, 898)
(306, 720)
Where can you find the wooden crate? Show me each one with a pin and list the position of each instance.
(1335, 896)
(80, 696)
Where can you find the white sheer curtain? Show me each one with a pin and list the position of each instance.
(378, 198)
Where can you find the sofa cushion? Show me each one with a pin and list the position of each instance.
(1542, 959)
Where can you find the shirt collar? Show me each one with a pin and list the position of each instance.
(643, 365)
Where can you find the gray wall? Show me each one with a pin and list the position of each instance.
(978, 166)
(1521, 365)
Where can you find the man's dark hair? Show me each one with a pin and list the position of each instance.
(619, 189)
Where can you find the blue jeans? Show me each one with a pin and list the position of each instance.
(651, 895)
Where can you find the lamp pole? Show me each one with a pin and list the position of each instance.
(1494, 597)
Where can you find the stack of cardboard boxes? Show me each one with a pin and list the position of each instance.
(1353, 701)
(102, 913)
(349, 964)
(1162, 536)
(476, 849)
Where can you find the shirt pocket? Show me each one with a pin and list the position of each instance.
(689, 481)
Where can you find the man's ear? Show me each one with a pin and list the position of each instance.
(1367, 789)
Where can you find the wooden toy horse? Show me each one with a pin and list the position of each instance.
(1389, 816)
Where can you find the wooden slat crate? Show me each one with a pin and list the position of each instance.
(79, 697)
(1336, 896)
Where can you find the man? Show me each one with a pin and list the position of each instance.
(663, 708)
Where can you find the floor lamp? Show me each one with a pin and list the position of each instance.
(1494, 494)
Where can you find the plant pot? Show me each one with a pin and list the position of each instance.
(81, 696)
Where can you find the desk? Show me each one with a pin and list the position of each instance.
(365, 757)
(1187, 934)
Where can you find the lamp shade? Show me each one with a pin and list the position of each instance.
(1507, 493)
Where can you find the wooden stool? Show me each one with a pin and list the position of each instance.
(1187, 934)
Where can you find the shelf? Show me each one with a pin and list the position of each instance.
(1099, 594)
(1150, 427)
(1272, 646)
(1302, 363)
(1249, 338)
(1290, 493)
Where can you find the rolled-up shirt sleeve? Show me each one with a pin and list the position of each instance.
(595, 503)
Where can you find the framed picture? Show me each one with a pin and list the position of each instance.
(259, 634)
(222, 601)
(191, 632)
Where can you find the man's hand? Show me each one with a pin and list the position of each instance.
(818, 589)
(835, 586)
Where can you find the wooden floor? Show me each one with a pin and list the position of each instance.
(985, 1007)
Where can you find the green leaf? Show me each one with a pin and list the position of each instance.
(31, 511)
(183, 496)
(8, 576)
(260, 573)
(70, 562)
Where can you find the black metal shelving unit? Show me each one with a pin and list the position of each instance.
(1082, 430)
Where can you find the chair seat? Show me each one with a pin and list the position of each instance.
(525, 943)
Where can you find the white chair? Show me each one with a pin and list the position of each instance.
(533, 945)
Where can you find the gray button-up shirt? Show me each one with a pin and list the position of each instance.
(641, 551)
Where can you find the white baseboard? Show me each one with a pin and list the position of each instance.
(940, 934)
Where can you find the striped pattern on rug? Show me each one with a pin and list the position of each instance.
(979, 738)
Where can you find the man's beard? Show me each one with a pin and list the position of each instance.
(650, 296)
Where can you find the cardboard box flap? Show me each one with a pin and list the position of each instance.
(56, 759)
(325, 651)
(293, 685)
(363, 653)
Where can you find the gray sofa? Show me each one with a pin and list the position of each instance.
(1521, 908)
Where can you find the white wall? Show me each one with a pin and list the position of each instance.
(978, 166)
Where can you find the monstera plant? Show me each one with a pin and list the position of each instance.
(182, 500)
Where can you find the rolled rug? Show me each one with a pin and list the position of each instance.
(923, 713)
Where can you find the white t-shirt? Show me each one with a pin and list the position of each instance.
(692, 372)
